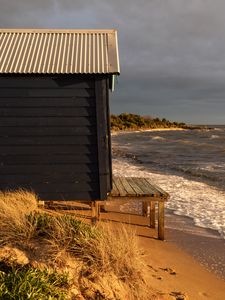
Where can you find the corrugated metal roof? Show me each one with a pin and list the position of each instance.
(40, 51)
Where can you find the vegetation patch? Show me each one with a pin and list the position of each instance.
(26, 282)
(55, 256)
(14, 208)
(126, 121)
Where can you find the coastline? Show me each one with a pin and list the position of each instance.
(196, 253)
(114, 132)
(193, 194)
(173, 270)
(204, 244)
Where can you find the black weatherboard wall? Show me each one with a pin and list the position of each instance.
(54, 136)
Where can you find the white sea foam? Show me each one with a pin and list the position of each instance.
(158, 138)
(218, 129)
(187, 164)
(214, 136)
(204, 203)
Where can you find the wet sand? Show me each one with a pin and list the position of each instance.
(175, 272)
(203, 244)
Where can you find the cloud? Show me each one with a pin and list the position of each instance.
(172, 52)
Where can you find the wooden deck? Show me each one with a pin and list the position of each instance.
(136, 187)
(140, 189)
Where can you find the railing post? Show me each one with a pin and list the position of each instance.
(144, 209)
(152, 214)
(93, 212)
(161, 221)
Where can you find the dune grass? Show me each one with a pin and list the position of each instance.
(14, 207)
(102, 262)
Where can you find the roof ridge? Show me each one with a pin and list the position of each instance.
(59, 30)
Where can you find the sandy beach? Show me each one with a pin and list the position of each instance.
(115, 132)
(174, 271)
(177, 267)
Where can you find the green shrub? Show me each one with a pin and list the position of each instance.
(132, 121)
(41, 223)
(20, 283)
(71, 234)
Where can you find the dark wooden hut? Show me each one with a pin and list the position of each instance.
(54, 111)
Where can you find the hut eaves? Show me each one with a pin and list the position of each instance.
(58, 51)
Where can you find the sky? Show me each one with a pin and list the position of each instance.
(172, 52)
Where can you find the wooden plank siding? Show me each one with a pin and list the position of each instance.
(45, 121)
(50, 139)
(56, 111)
(47, 140)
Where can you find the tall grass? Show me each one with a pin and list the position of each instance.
(105, 251)
(104, 260)
(116, 250)
(104, 248)
(14, 206)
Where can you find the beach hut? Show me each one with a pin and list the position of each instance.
(54, 111)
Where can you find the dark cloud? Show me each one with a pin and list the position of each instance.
(172, 52)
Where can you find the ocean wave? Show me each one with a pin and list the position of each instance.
(197, 200)
(189, 165)
(207, 174)
(159, 161)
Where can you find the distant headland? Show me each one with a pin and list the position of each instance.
(128, 121)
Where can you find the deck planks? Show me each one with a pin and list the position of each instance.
(156, 187)
(146, 188)
(120, 187)
(133, 181)
(151, 190)
(136, 187)
(115, 192)
(128, 188)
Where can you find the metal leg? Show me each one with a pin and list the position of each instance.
(152, 214)
(161, 221)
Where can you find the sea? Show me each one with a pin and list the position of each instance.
(188, 164)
